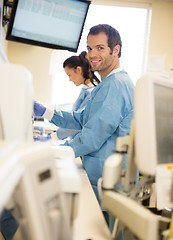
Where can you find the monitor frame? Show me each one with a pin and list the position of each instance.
(11, 37)
(145, 122)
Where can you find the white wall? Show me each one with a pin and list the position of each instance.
(161, 37)
(36, 59)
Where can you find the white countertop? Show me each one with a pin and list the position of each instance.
(90, 222)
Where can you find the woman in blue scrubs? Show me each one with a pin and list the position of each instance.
(78, 69)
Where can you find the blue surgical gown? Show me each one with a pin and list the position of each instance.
(78, 105)
(107, 115)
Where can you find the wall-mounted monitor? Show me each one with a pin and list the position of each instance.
(48, 23)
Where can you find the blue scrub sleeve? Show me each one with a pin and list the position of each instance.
(63, 133)
(68, 120)
(78, 106)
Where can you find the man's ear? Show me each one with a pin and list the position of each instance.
(116, 50)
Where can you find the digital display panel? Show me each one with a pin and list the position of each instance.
(163, 97)
(56, 24)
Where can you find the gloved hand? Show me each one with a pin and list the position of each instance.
(39, 109)
(42, 138)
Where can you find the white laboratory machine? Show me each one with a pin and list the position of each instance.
(39, 202)
(16, 103)
(16, 106)
(154, 152)
(150, 151)
(29, 168)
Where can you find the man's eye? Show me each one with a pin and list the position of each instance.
(89, 49)
(100, 48)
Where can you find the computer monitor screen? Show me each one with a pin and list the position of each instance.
(153, 118)
(163, 97)
(48, 23)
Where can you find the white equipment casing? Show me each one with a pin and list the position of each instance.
(69, 178)
(38, 200)
(11, 171)
(137, 218)
(112, 170)
(41, 209)
(16, 103)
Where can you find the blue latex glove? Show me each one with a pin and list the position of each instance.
(39, 109)
(42, 138)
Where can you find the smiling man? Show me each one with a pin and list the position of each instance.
(109, 110)
(112, 100)
(104, 49)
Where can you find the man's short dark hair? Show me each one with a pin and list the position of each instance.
(112, 34)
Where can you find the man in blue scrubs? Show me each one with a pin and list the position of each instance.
(108, 112)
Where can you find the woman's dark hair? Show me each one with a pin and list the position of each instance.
(82, 61)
